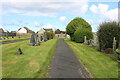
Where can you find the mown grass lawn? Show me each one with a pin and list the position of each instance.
(15, 38)
(33, 64)
(100, 65)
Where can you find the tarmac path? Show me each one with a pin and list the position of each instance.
(65, 64)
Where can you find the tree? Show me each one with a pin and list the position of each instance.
(75, 24)
(106, 33)
(50, 35)
(80, 33)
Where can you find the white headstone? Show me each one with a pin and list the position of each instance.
(114, 45)
(85, 40)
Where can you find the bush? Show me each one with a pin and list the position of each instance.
(106, 33)
(75, 24)
(49, 35)
(80, 33)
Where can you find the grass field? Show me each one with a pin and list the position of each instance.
(33, 64)
(15, 38)
(99, 64)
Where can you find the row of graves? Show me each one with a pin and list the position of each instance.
(6, 35)
(95, 43)
(35, 40)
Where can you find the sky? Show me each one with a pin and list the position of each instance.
(37, 14)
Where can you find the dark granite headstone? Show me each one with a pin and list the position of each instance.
(19, 51)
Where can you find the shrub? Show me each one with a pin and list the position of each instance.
(80, 33)
(74, 24)
(106, 33)
(49, 35)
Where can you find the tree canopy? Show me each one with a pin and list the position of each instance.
(75, 24)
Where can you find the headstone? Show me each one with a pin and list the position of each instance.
(2, 38)
(95, 39)
(85, 40)
(12, 37)
(41, 38)
(114, 45)
(90, 42)
(34, 40)
(19, 51)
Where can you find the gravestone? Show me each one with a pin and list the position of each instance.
(12, 37)
(34, 40)
(90, 42)
(2, 38)
(95, 39)
(114, 45)
(19, 52)
(85, 40)
(41, 38)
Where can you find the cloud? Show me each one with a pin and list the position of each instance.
(112, 14)
(94, 8)
(9, 24)
(63, 18)
(37, 24)
(48, 26)
(102, 10)
(45, 8)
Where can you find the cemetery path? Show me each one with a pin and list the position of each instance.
(65, 64)
(12, 41)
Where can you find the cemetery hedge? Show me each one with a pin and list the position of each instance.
(34, 63)
(75, 24)
(98, 64)
(106, 33)
(80, 33)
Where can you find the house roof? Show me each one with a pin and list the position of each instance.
(26, 29)
(48, 29)
(1, 30)
(59, 32)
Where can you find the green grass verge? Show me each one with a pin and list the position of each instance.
(100, 65)
(15, 38)
(33, 64)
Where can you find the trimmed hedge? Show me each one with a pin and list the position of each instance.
(76, 23)
(107, 31)
(80, 33)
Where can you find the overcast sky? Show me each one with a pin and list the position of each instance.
(37, 14)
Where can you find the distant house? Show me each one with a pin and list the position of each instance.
(24, 30)
(42, 31)
(42, 35)
(1, 30)
(59, 33)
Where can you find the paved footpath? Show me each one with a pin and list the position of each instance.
(65, 64)
(12, 41)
